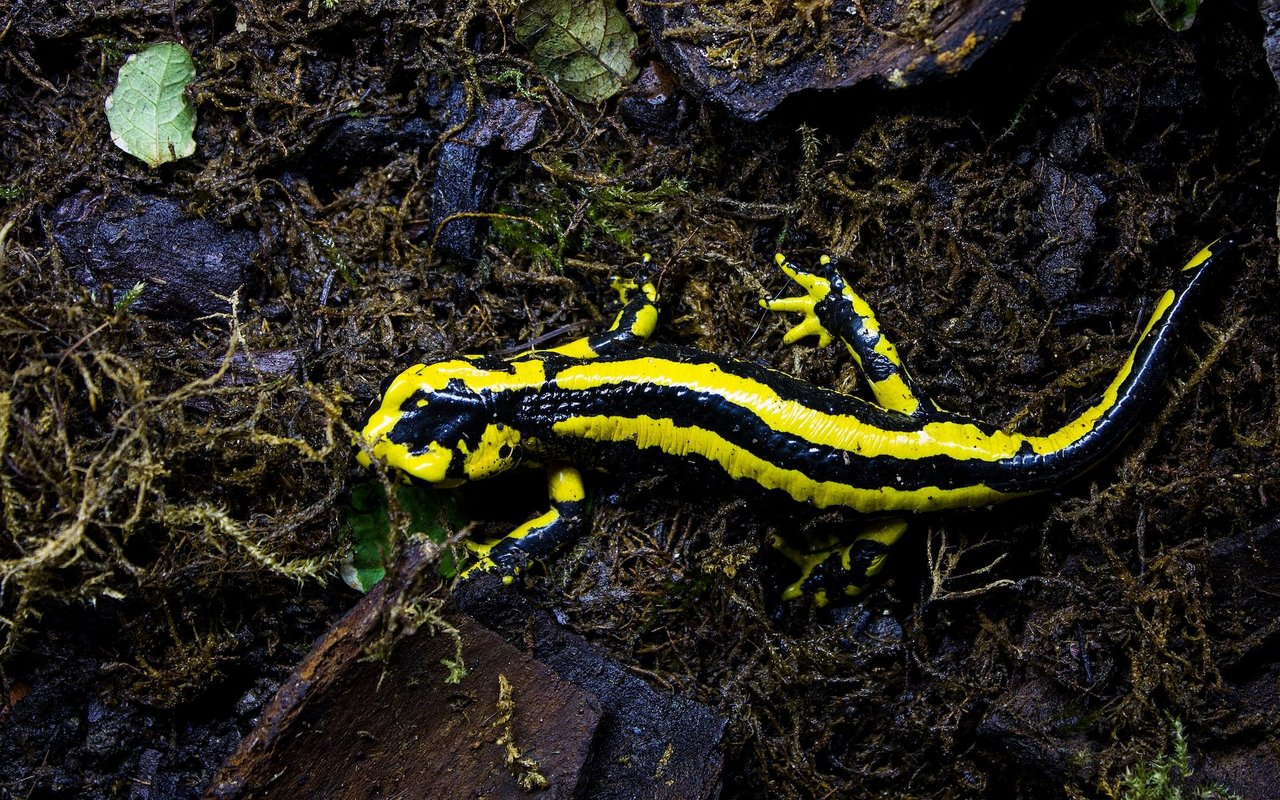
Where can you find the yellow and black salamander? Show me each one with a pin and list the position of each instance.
(613, 401)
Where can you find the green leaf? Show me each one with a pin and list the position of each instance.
(584, 46)
(1177, 14)
(431, 513)
(149, 113)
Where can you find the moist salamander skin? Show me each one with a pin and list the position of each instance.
(614, 401)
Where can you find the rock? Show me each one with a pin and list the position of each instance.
(187, 265)
(1270, 10)
(884, 41)
(359, 142)
(252, 367)
(1037, 728)
(1067, 214)
(346, 147)
(650, 744)
(653, 102)
(463, 176)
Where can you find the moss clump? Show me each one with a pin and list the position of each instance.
(1167, 776)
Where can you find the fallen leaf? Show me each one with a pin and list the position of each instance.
(583, 46)
(149, 113)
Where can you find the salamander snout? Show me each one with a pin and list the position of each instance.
(444, 433)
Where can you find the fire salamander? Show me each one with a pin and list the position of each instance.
(613, 401)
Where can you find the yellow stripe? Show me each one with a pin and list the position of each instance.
(956, 440)
(528, 372)
(1080, 426)
(484, 563)
(431, 466)
(578, 348)
(891, 393)
(564, 485)
(645, 323)
(806, 562)
(1199, 258)
(663, 434)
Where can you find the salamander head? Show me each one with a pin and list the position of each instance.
(439, 427)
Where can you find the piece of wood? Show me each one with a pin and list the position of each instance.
(344, 726)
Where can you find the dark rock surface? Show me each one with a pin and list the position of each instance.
(188, 266)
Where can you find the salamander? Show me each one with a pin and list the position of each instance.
(617, 402)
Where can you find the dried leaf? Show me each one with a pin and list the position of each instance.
(584, 46)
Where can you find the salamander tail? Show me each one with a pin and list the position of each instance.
(1101, 427)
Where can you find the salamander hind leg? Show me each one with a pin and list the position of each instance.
(633, 325)
(833, 569)
(540, 536)
(832, 310)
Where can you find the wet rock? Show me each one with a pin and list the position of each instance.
(144, 781)
(1067, 216)
(1270, 10)
(349, 146)
(1245, 612)
(1037, 728)
(885, 41)
(650, 744)
(276, 311)
(1040, 724)
(463, 175)
(510, 124)
(257, 366)
(355, 142)
(462, 183)
(653, 102)
(250, 703)
(187, 265)
(1247, 587)
(1251, 771)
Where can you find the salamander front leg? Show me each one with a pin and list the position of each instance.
(834, 570)
(832, 310)
(632, 327)
(540, 536)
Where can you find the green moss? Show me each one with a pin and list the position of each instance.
(1167, 776)
(575, 217)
